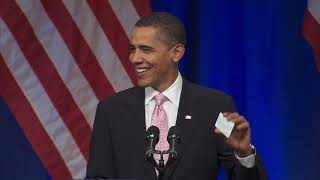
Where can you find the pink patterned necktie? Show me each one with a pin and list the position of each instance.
(159, 119)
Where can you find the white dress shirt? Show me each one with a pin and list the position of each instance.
(171, 107)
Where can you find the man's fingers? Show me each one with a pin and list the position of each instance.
(229, 115)
(243, 126)
(236, 119)
(216, 130)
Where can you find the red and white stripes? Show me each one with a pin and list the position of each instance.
(58, 59)
(311, 28)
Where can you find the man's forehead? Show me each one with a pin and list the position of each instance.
(146, 36)
(143, 32)
(140, 35)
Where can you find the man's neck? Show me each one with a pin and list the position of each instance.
(166, 85)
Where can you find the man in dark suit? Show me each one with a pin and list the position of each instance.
(118, 139)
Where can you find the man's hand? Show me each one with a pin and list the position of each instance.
(239, 139)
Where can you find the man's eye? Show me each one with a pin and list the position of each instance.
(132, 49)
(147, 50)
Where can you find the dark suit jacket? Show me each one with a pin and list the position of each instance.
(118, 139)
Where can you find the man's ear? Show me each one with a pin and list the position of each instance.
(177, 52)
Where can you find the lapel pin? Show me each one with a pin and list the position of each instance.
(188, 117)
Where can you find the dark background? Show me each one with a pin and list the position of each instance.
(254, 51)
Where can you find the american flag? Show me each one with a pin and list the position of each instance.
(311, 28)
(58, 59)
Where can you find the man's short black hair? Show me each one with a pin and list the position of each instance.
(169, 27)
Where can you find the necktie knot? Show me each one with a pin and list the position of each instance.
(160, 99)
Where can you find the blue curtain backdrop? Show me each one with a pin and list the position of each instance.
(255, 51)
(17, 158)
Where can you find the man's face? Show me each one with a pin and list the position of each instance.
(154, 61)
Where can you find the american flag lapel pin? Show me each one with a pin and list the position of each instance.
(188, 117)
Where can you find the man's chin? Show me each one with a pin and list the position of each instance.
(142, 83)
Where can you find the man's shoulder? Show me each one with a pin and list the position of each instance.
(206, 92)
(122, 96)
(208, 98)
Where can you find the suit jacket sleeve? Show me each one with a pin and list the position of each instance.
(100, 164)
(231, 165)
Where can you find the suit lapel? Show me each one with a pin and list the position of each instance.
(135, 117)
(184, 124)
(138, 110)
(183, 111)
(184, 105)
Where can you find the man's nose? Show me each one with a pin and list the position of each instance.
(135, 58)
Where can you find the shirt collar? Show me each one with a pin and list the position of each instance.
(172, 93)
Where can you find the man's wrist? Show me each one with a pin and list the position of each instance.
(249, 152)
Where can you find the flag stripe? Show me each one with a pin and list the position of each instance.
(143, 7)
(34, 92)
(99, 44)
(79, 48)
(116, 35)
(32, 128)
(317, 57)
(126, 13)
(311, 30)
(57, 59)
(314, 8)
(55, 88)
(64, 63)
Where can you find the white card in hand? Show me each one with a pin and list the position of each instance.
(224, 125)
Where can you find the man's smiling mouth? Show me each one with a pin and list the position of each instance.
(142, 69)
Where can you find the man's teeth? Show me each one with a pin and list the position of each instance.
(142, 70)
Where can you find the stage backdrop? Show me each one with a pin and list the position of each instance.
(255, 51)
(58, 58)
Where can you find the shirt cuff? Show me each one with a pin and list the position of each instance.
(249, 161)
